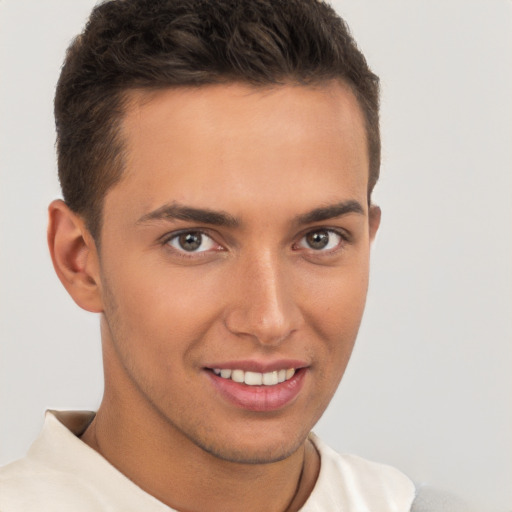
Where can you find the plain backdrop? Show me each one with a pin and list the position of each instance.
(429, 388)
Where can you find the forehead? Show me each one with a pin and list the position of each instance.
(219, 143)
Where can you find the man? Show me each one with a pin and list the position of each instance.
(217, 161)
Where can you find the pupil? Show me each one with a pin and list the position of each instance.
(318, 239)
(190, 241)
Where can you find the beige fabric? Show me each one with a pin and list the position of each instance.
(60, 473)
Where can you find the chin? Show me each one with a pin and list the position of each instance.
(254, 454)
(257, 448)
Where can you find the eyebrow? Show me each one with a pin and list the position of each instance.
(175, 211)
(202, 215)
(330, 212)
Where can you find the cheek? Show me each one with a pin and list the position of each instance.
(335, 318)
(336, 303)
(158, 309)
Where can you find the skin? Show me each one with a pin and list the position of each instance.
(255, 290)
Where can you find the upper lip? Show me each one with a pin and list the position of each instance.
(250, 365)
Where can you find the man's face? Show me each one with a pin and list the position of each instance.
(237, 243)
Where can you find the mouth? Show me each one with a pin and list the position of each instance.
(255, 378)
(263, 391)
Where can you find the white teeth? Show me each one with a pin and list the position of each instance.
(253, 378)
(270, 379)
(290, 373)
(225, 374)
(256, 378)
(237, 375)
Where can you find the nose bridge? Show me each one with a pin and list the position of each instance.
(263, 304)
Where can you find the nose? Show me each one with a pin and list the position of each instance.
(262, 302)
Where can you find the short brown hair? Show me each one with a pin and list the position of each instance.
(132, 44)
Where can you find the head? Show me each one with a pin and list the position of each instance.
(157, 44)
(223, 153)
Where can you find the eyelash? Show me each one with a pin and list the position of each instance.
(343, 239)
(165, 241)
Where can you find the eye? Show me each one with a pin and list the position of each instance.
(192, 241)
(321, 240)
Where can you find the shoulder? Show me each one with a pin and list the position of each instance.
(60, 473)
(46, 478)
(27, 486)
(352, 483)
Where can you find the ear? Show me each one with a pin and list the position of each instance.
(74, 256)
(374, 218)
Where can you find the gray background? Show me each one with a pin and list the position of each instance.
(429, 387)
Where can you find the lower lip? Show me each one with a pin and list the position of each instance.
(259, 398)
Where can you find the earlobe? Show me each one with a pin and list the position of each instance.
(74, 256)
(375, 216)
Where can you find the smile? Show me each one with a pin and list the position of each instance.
(259, 391)
(255, 378)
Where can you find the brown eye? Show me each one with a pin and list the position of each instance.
(318, 239)
(191, 241)
(321, 240)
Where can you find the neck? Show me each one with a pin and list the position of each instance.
(185, 477)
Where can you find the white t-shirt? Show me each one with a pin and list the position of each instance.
(60, 473)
